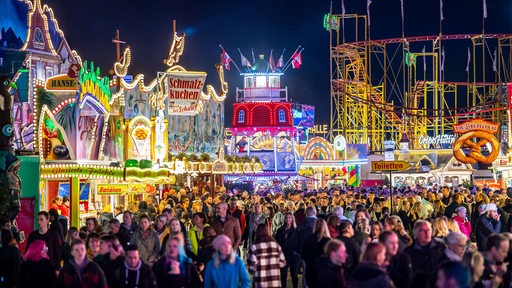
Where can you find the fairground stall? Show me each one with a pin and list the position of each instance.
(333, 165)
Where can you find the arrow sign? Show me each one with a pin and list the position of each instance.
(389, 166)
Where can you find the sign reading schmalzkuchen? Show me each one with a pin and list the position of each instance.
(185, 92)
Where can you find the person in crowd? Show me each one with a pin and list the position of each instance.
(332, 223)
(278, 218)
(93, 245)
(116, 229)
(196, 232)
(161, 228)
(453, 274)
(394, 223)
(439, 208)
(129, 224)
(225, 269)
(352, 246)
(452, 225)
(175, 269)
(255, 217)
(496, 250)
(57, 204)
(439, 229)
(92, 225)
(147, 241)
(175, 227)
(50, 238)
(399, 264)
(10, 260)
(475, 262)
(451, 209)
(64, 208)
(362, 230)
(371, 272)
(415, 212)
(488, 223)
(111, 257)
(134, 273)
(227, 225)
(36, 269)
(304, 230)
(329, 266)
(288, 239)
(313, 248)
(55, 225)
(80, 272)
(235, 211)
(66, 245)
(456, 244)
(265, 259)
(376, 229)
(205, 251)
(424, 252)
(403, 213)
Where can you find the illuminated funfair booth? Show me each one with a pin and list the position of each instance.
(336, 164)
(473, 142)
(262, 131)
(103, 148)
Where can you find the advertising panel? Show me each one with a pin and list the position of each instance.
(184, 92)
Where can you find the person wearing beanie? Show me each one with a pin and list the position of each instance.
(225, 269)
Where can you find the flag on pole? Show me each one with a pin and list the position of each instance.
(402, 6)
(343, 15)
(225, 59)
(485, 9)
(271, 62)
(495, 61)
(441, 9)
(442, 60)
(469, 60)
(253, 58)
(368, 2)
(424, 59)
(297, 59)
(244, 60)
(280, 61)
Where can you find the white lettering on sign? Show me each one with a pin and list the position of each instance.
(439, 139)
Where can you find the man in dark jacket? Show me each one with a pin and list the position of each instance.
(489, 223)
(134, 273)
(329, 267)
(304, 230)
(424, 252)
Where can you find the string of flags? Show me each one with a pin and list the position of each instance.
(295, 61)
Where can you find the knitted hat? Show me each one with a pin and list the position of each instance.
(219, 241)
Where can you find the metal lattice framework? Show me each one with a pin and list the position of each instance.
(381, 89)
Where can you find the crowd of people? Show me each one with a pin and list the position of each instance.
(417, 237)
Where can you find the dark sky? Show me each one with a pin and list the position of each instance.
(146, 26)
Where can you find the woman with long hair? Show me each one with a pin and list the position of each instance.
(66, 244)
(394, 223)
(265, 259)
(376, 229)
(174, 228)
(225, 269)
(175, 269)
(399, 264)
(313, 248)
(288, 239)
(439, 228)
(36, 269)
(161, 228)
(332, 223)
(475, 262)
(371, 272)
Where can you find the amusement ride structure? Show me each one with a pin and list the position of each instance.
(383, 89)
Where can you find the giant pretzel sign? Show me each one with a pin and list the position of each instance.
(482, 131)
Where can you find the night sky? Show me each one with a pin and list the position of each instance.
(89, 27)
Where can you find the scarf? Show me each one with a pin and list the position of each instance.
(137, 269)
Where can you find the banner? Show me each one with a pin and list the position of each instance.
(184, 92)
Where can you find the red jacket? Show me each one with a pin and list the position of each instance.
(464, 226)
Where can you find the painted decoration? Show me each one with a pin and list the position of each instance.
(184, 92)
(485, 150)
(139, 140)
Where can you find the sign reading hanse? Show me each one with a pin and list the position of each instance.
(389, 166)
(184, 91)
(61, 83)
